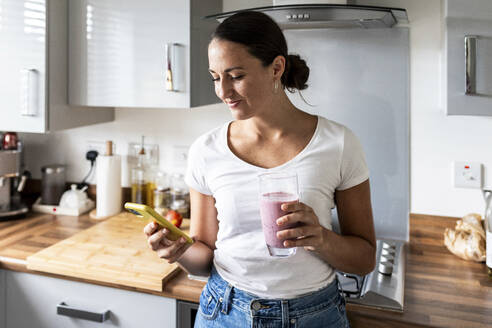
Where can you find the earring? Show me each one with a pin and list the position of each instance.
(275, 86)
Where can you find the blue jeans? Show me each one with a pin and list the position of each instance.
(222, 305)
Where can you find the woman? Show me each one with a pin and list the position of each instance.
(251, 68)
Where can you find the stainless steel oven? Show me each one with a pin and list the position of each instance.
(186, 313)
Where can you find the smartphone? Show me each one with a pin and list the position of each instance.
(147, 212)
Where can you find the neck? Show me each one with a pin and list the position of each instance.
(275, 119)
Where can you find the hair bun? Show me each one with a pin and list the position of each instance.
(296, 73)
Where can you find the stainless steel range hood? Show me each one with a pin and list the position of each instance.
(329, 16)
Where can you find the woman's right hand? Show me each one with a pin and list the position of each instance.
(165, 248)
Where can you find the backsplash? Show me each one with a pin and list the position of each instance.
(164, 127)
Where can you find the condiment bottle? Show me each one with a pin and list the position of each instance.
(139, 193)
(150, 185)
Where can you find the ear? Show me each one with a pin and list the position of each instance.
(278, 66)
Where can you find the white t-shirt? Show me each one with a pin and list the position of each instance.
(332, 160)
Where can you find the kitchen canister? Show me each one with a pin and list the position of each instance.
(108, 184)
(52, 184)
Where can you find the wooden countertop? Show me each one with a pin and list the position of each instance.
(441, 290)
(23, 237)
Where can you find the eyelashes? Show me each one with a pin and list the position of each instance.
(235, 78)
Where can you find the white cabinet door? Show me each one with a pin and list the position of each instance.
(32, 300)
(118, 56)
(22, 65)
(34, 69)
(468, 57)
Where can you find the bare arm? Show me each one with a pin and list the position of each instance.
(197, 258)
(352, 251)
(356, 246)
(203, 228)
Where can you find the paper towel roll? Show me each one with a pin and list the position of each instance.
(108, 180)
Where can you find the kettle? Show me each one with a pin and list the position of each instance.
(74, 198)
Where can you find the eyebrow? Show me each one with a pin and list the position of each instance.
(228, 70)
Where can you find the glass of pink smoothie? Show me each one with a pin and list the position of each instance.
(276, 189)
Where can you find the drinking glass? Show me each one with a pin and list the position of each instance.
(276, 189)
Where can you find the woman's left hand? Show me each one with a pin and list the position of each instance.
(309, 234)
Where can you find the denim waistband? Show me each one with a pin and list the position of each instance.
(228, 295)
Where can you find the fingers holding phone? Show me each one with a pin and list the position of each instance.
(162, 236)
(150, 228)
(166, 248)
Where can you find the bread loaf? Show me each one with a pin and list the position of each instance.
(467, 240)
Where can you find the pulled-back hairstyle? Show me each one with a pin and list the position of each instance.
(264, 40)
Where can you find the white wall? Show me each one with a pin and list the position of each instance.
(436, 139)
(165, 127)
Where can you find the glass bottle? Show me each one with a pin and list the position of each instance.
(150, 185)
(139, 192)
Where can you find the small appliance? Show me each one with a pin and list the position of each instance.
(12, 182)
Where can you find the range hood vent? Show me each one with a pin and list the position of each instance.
(311, 16)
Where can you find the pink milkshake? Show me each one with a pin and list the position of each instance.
(270, 211)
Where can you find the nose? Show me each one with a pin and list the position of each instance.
(223, 89)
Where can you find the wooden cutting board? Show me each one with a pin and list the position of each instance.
(113, 251)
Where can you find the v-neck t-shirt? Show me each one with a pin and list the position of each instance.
(332, 160)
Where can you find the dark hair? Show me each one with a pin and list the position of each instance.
(264, 40)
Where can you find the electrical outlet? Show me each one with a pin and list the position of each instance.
(99, 146)
(180, 157)
(467, 175)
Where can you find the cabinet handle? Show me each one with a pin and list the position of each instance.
(170, 58)
(470, 64)
(29, 91)
(64, 309)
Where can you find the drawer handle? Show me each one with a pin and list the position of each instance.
(64, 309)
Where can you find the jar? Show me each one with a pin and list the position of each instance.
(52, 184)
(9, 141)
(162, 199)
(180, 196)
(161, 193)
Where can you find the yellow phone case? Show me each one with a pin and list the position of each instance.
(141, 210)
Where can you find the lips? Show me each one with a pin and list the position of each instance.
(233, 104)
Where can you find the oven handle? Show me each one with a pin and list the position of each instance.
(64, 309)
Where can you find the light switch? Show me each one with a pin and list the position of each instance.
(467, 175)
(180, 157)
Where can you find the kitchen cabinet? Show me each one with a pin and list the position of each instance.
(468, 57)
(32, 301)
(2, 298)
(34, 66)
(119, 53)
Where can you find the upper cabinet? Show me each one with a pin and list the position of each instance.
(468, 57)
(148, 53)
(34, 69)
